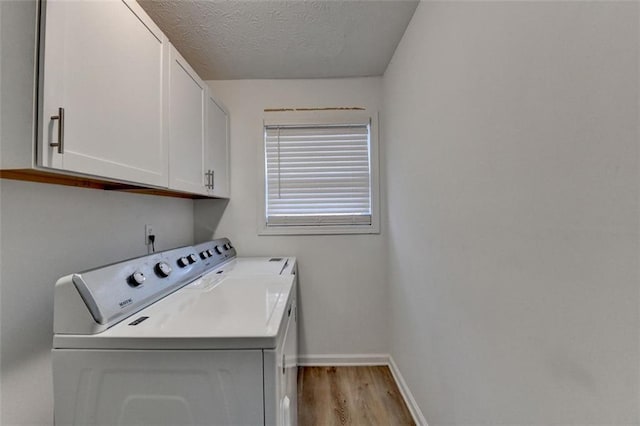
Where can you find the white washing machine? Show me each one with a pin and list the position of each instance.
(259, 266)
(168, 339)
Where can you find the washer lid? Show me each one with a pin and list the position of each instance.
(255, 265)
(214, 312)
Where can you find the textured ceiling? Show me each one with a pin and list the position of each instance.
(283, 39)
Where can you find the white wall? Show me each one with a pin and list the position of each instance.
(511, 147)
(342, 277)
(47, 231)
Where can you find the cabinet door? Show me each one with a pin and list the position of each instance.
(105, 64)
(187, 96)
(217, 148)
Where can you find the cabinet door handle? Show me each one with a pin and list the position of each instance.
(209, 175)
(283, 367)
(213, 179)
(60, 118)
(210, 179)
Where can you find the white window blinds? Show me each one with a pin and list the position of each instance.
(318, 174)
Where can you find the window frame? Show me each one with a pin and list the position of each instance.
(320, 118)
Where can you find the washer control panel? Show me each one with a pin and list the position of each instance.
(216, 252)
(116, 291)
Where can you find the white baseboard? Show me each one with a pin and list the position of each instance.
(412, 405)
(343, 360)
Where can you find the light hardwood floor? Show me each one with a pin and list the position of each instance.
(331, 396)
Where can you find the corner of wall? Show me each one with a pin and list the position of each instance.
(206, 217)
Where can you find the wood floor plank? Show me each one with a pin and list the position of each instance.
(367, 405)
(357, 396)
(340, 398)
(315, 386)
(389, 394)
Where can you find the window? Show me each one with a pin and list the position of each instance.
(319, 173)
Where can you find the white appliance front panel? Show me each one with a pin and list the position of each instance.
(146, 388)
(289, 398)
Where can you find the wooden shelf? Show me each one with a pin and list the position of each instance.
(41, 176)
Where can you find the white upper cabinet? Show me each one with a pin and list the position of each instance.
(187, 97)
(105, 65)
(217, 149)
(113, 103)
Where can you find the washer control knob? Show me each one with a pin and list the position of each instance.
(183, 261)
(217, 249)
(163, 269)
(204, 254)
(209, 252)
(136, 278)
(192, 258)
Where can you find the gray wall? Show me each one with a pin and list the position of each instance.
(511, 145)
